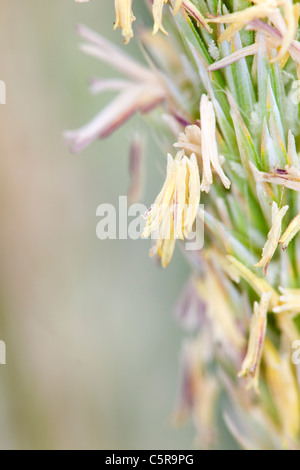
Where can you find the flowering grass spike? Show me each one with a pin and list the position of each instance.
(219, 84)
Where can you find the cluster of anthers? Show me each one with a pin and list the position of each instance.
(125, 16)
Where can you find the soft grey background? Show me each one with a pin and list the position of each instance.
(92, 348)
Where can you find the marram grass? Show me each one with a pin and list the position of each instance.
(220, 82)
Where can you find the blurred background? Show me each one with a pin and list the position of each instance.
(92, 347)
